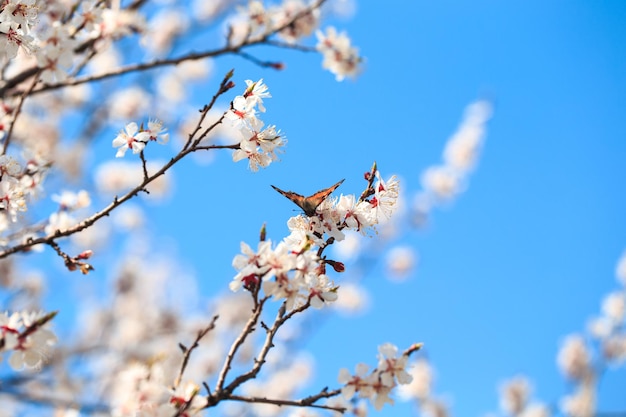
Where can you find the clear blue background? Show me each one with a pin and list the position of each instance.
(520, 260)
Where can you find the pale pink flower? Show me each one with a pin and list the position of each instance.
(392, 367)
(340, 57)
(255, 92)
(130, 138)
(243, 114)
(353, 383)
(303, 26)
(322, 291)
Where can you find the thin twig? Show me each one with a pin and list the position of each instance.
(187, 350)
(305, 402)
(245, 332)
(18, 110)
(281, 318)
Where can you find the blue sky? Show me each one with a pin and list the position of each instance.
(521, 259)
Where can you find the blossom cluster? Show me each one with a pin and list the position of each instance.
(444, 182)
(260, 21)
(35, 27)
(378, 384)
(136, 137)
(515, 399)
(17, 185)
(258, 145)
(293, 270)
(141, 389)
(26, 335)
(340, 58)
(577, 358)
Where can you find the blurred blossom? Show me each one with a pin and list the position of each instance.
(352, 298)
(130, 103)
(77, 95)
(614, 305)
(207, 10)
(614, 349)
(195, 70)
(514, 395)
(69, 200)
(420, 387)
(164, 28)
(349, 247)
(300, 28)
(435, 408)
(95, 236)
(341, 8)
(442, 182)
(70, 159)
(600, 327)
(400, 262)
(535, 410)
(105, 61)
(422, 204)
(574, 359)
(579, 404)
(620, 270)
(128, 217)
(462, 149)
(170, 87)
(114, 177)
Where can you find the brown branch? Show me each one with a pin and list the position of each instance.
(248, 328)
(187, 350)
(18, 110)
(305, 402)
(281, 318)
(229, 49)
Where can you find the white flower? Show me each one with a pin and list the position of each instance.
(130, 138)
(256, 92)
(243, 114)
(322, 290)
(390, 366)
(352, 384)
(340, 57)
(386, 196)
(157, 132)
(250, 263)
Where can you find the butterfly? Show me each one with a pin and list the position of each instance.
(309, 204)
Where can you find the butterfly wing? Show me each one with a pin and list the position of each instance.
(309, 204)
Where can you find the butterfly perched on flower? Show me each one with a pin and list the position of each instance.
(311, 203)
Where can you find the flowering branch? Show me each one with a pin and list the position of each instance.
(229, 49)
(117, 201)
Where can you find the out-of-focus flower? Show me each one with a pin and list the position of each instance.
(574, 358)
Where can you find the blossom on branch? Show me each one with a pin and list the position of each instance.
(340, 57)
